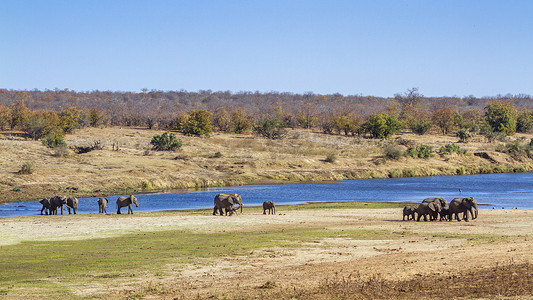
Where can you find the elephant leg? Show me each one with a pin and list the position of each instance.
(118, 210)
(215, 211)
(130, 209)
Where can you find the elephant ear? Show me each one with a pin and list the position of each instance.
(433, 207)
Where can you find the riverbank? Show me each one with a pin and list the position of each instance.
(318, 251)
(227, 160)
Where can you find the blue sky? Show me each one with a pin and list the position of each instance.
(377, 48)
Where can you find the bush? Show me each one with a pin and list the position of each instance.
(17, 189)
(393, 152)
(421, 151)
(464, 135)
(501, 117)
(197, 122)
(421, 127)
(54, 142)
(272, 129)
(166, 142)
(524, 123)
(27, 168)
(217, 155)
(331, 158)
(382, 125)
(451, 148)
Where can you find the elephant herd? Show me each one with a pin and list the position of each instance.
(439, 208)
(224, 203)
(51, 205)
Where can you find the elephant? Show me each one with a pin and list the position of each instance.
(46, 206)
(227, 202)
(126, 201)
(102, 203)
(464, 205)
(443, 204)
(57, 202)
(271, 206)
(409, 211)
(428, 208)
(72, 202)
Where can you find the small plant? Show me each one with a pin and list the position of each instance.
(61, 152)
(451, 148)
(464, 135)
(17, 189)
(27, 168)
(420, 151)
(331, 158)
(147, 185)
(166, 142)
(54, 142)
(393, 152)
(269, 285)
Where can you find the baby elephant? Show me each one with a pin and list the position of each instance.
(102, 203)
(409, 211)
(46, 205)
(271, 206)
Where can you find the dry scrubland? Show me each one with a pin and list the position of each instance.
(243, 159)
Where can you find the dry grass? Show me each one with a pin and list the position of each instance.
(243, 159)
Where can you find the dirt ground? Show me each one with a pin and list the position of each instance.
(441, 249)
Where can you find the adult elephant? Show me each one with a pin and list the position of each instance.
(444, 206)
(227, 202)
(46, 206)
(465, 206)
(428, 208)
(57, 202)
(270, 206)
(102, 203)
(72, 202)
(126, 201)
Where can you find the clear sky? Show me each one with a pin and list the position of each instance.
(378, 48)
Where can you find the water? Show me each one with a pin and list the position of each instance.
(493, 190)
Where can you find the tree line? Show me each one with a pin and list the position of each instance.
(43, 114)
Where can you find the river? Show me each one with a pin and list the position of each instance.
(491, 191)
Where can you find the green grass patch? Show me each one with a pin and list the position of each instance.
(54, 267)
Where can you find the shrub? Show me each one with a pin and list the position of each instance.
(382, 125)
(464, 135)
(27, 168)
(501, 117)
(54, 142)
(197, 122)
(421, 127)
(524, 123)
(217, 155)
(393, 152)
(272, 129)
(331, 157)
(420, 151)
(70, 119)
(451, 148)
(61, 152)
(17, 189)
(166, 142)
